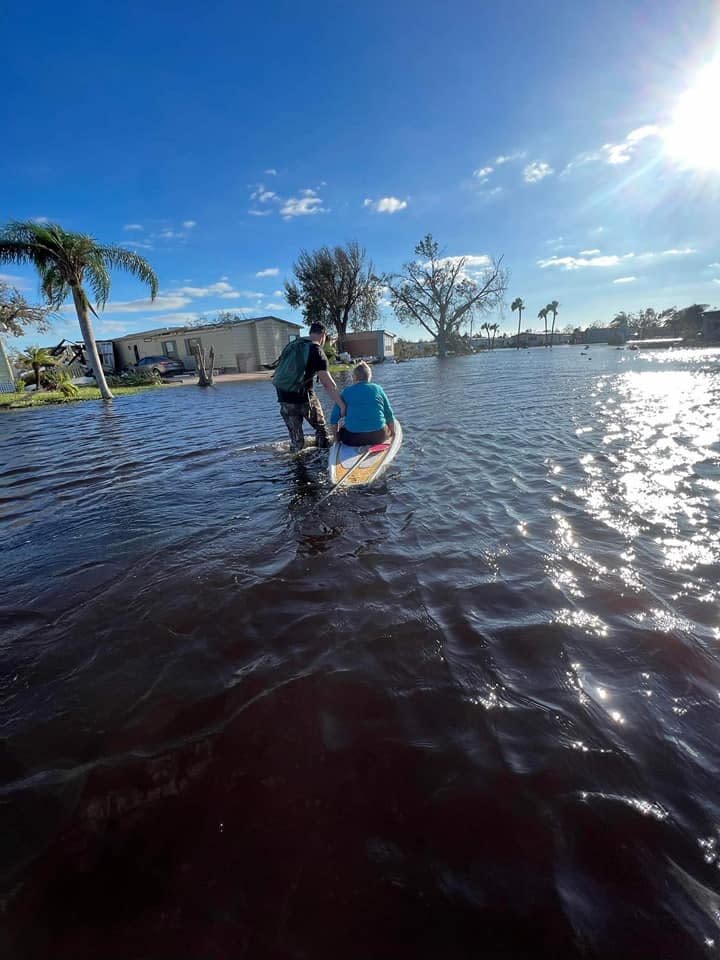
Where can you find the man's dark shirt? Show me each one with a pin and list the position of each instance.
(316, 362)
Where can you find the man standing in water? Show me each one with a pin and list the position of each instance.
(299, 363)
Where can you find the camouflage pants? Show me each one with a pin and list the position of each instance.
(294, 413)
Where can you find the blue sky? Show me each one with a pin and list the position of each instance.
(218, 139)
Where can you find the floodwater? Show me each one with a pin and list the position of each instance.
(471, 713)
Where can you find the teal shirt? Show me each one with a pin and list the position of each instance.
(368, 408)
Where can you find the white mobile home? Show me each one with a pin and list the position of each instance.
(241, 346)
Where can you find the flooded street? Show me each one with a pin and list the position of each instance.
(470, 712)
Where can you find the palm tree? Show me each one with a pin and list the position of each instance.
(494, 327)
(542, 315)
(553, 309)
(518, 305)
(65, 261)
(487, 328)
(35, 358)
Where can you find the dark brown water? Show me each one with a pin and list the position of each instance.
(471, 713)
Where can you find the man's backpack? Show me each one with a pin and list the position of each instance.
(290, 371)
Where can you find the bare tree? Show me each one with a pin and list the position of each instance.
(333, 285)
(16, 313)
(437, 293)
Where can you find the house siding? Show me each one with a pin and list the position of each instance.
(239, 347)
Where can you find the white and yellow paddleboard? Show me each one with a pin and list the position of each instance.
(356, 466)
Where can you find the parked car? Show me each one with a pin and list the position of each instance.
(164, 366)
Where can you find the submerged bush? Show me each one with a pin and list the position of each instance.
(134, 378)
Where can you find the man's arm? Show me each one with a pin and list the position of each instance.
(327, 381)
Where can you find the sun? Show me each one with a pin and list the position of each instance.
(693, 136)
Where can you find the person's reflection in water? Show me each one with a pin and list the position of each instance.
(313, 530)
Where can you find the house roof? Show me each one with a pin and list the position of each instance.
(204, 326)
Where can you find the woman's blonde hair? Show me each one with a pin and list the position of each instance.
(362, 372)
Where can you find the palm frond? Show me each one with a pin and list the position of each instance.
(97, 276)
(137, 266)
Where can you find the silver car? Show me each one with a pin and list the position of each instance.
(164, 366)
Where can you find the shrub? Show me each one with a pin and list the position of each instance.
(134, 378)
(20, 385)
(68, 389)
(53, 377)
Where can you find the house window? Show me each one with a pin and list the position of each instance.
(169, 348)
(191, 344)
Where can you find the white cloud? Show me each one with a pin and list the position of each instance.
(625, 280)
(385, 204)
(714, 266)
(271, 172)
(269, 272)
(536, 171)
(612, 260)
(576, 263)
(616, 153)
(231, 295)
(597, 231)
(506, 158)
(133, 226)
(221, 287)
(276, 306)
(581, 160)
(588, 253)
(278, 293)
(716, 280)
(308, 203)
(262, 195)
(483, 172)
(171, 235)
(41, 219)
(20, 283)
(189, 224)
(137, 245)
(259, 213)
(168, 301)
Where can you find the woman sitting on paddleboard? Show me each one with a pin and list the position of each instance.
(369, 417)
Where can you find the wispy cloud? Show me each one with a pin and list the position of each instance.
(189, 224)
(508, 157)
(482, 173)
(581, 160)
(263, 195)
(276, 306)
(716, 280)
(611, 260)
(259, 213)
(268, 272)
(625, 280)
(306, 204)
(616, 153)
(577, 263)
(536, 171)
(133, 226)
(137, 245)
(20, 283)
(162, 302)
(270, 172)
(714, 266)
(588, 253)
(385, 204)
(40, 219)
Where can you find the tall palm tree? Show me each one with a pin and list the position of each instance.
(35, 358)
(518, 305)
(553, 309)
(542, 315)
(65, 261)
(494, 327)
(487, 328)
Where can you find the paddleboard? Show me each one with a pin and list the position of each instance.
(359, 466)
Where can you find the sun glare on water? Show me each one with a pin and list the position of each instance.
(693, 135)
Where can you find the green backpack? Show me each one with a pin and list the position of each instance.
(290, 371)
